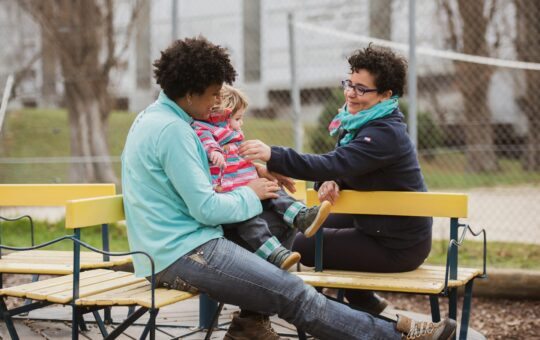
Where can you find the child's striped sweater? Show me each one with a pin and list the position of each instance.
(220, 137)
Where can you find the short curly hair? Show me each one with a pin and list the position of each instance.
(388, 68)
(232, 98)
(192, 65)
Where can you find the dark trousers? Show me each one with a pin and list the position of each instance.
(253, 233)
(347, 248)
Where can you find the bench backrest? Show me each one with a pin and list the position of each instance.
(82, 213)
(89, 212)
(397, 203)
(301, 191)
(50, 194)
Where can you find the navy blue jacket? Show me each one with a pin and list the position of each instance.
(381, 157)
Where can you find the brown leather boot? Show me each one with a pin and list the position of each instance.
(252, 327)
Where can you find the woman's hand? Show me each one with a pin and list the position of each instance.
(328, 191)
(264, 188)
(280, 179)
(217, 159)
(255, 149)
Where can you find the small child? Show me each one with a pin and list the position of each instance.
(221, 136)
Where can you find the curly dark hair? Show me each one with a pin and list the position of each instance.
(191, 66)
(388, 68)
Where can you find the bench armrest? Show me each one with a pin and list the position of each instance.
(455, 244)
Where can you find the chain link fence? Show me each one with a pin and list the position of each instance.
(477, 111)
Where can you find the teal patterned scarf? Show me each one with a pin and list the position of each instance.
(351, 123)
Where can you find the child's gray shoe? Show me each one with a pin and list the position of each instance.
(284, 258)
(310, 220)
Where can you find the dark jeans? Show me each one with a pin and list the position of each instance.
(346, 248)
(254, 232)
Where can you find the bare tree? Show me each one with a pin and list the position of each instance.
(471, 39)
(528, 49)
(82, 35)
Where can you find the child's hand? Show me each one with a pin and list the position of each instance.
(217, 159)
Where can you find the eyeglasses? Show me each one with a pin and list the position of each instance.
(358, 89)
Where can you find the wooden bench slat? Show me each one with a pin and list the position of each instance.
(45, 292)
(138, 293)
(425, 279)
(96, 288)
(21, 290)
(36, 268)
(120, 296)
(54, 262)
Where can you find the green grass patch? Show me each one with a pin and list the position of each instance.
(17, 233)
(448, 170)
(45, 133)
(499, 254)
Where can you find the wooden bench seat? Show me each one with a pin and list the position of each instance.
(54, 262)
(424, 280)
(98, 287)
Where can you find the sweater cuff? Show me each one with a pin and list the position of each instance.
(276, 154)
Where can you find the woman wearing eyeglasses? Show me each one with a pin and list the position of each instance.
(373, 153)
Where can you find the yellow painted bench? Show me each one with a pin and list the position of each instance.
(95, 289)
(50, 261)
(427, 279)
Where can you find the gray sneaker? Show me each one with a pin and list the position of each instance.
(425, 330)
(309, 220)
(283, 258)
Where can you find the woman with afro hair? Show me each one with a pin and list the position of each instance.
(173, 213)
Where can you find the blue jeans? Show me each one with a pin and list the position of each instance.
(231, 274)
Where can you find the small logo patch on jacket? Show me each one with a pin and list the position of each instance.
(367, 139)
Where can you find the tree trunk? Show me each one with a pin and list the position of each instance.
(380, 19)
(473, 82)
(528, 48)
(78, 30)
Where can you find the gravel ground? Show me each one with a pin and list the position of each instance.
(494, 318)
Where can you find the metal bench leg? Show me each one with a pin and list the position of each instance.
(8, 320)
(207, 310)
(341, 295)
(82, 323)
(74, 323)
(466, 311)
(107, 318)
(435, 311)
(301, 335)
(214, 321)
(452, 305)
(100, 324)
(126, 323)
(151, 325)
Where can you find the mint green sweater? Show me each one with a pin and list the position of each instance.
(168, 199)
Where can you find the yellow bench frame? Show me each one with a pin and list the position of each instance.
(51, 262)
(430, 280)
